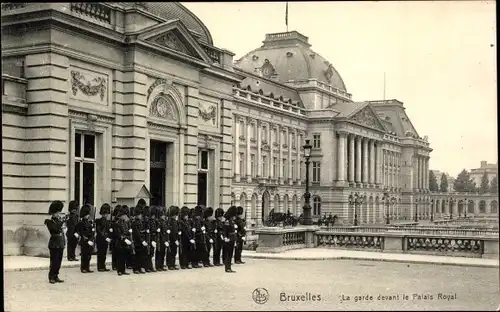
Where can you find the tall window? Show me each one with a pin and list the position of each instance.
(275, 135)
(242, 128)
(316, 171)
(293, 169)
(285, 171)
(317, 206)
(85, 168)
(283, 137)
(316, 141)
(293, 140)
(264, 166)
(275, 167)
(252, 165)
(252, 131)
(242, 164)
(301, 140)
(302, 171)
(264, 133)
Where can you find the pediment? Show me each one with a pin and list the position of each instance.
(175, 36)
(367, 117)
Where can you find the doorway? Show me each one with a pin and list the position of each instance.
(203, 176)
(157, 172)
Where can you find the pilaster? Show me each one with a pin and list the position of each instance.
(226, 150)
(191, 149)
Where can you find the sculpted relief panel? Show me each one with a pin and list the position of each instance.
(208, 114)
(367, 118)
(89, 86)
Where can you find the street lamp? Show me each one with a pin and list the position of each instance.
(432, 210)
(416, 210)
(465, 208)
(307, 195)
(356, 200)
(386, 201)
(451, 201)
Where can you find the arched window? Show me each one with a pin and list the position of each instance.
(494, 206)
(482, 206)
(443, 205)
(317, 206)
(470, 207)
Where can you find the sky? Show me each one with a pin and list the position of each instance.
(439, 59)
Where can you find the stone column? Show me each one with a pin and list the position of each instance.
(280, 158)
(247, 156)
(372, 162)
(358, 159)
(340, 157)
(290, 144)
(365, 161)
(384, 167)
(426, 173)
(226, 150)
(271, 145)
(298, 158)
(259, 150)
(421, 171)
(237, 149)
(351, 158)
(377, 163)
(191, 149)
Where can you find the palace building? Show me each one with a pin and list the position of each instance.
(112, 102)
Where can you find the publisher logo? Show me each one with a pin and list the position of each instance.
(260, 295)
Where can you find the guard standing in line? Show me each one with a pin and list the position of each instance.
(162, 244)
(186, 239)
(174, 235)
(152, 239)
(139, 238)
(208, 222)
(86, 233)
(113, 236)
(123, 240)
(218, 224)
(241, 232)
(56, 242)
(71, 230)
(199, 232)
(129, 262)
(229, 237)
(104, 231)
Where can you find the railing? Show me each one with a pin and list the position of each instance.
(294, 238)
(214, 55)
(12, 6)
(93, 10)
(444, 245)
(350, 241)
(319, 84)
(262, 99)
(414, 229)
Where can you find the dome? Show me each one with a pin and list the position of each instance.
(288, 56)
(175, 10)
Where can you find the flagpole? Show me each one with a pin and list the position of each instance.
(384, 86)
(286, 16)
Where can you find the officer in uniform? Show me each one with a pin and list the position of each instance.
(200, 237)
(151, 236)
(219, 239)
(229, 234)
(71, 230)
(174, 235)
(56, 242)
(104, 231)
(114, 238)
(163, 243)
(86, 233)
(241, 235)
(139, 238)
(186, 240)
(129, 263)
(123, 240)
(209, 223)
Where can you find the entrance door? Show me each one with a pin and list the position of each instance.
(157, 172)
(202, 188)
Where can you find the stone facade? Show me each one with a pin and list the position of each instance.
(490, 169)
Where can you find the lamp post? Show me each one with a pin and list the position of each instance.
(307, 207)
(465, 208)
(432, 210)
(352, 202)
(451, 201)
(386, 201)
(416, 210)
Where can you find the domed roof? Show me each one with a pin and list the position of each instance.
(175, 10)
(290, 57)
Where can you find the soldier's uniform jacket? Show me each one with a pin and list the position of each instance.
(138, 232)
(55, 227)
(185, 227)
(86, 231)
(229, 230)
(199, 226)
(163, 236)
(218, 229)
(122, 231)
(210, 229)
(173, 226)
(154, 230)
(242, 227)
(103, 229)
(71, 224)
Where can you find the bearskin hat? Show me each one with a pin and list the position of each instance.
(142, 202)
(231, 212)
(184, 211)
(239, 210)
(173, 211)
(117, 210)
(145, 211)
(138, 210)
(219, 212)
(153, 211)
(208, 212)
(191, 213)
(126, 210)
(85, 211)
(105, 209)
(198, 211)
(56, 206)
(160, 211)
(73, 206)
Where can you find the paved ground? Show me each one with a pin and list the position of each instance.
(210, 288)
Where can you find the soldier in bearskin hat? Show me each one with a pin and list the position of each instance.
(151, 236)
(71, 230)
(103, 238)
(140, 243)
(174, 235)
(56, 242)
(162, 243)
(241, 233)
(186, 241)
(199, 235)
(112, 244)
(219, 239)
(86, 234)
(209, 223)
(123, 240)
(128, 216)
(229, 234)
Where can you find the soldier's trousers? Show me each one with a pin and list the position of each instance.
(206, 254)
(171, 254)
(113, 248)
(238, 250)
(160, 256)
(56, 255)
(102, 250)
(121, 254)
(228, 251)
(184, 255)
(72, 243)
(141, 254)
(149, 259)
(217, 251)
(86, 256)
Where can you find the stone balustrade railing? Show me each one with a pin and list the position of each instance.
(269, 101)
(417, 239)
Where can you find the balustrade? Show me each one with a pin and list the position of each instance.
(351, 241)
(93, 10)
(444, 245)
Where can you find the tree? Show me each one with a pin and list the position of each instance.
(494, 185)
(433, 184)
(484, 187)
(464, 183)
(444, 183)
